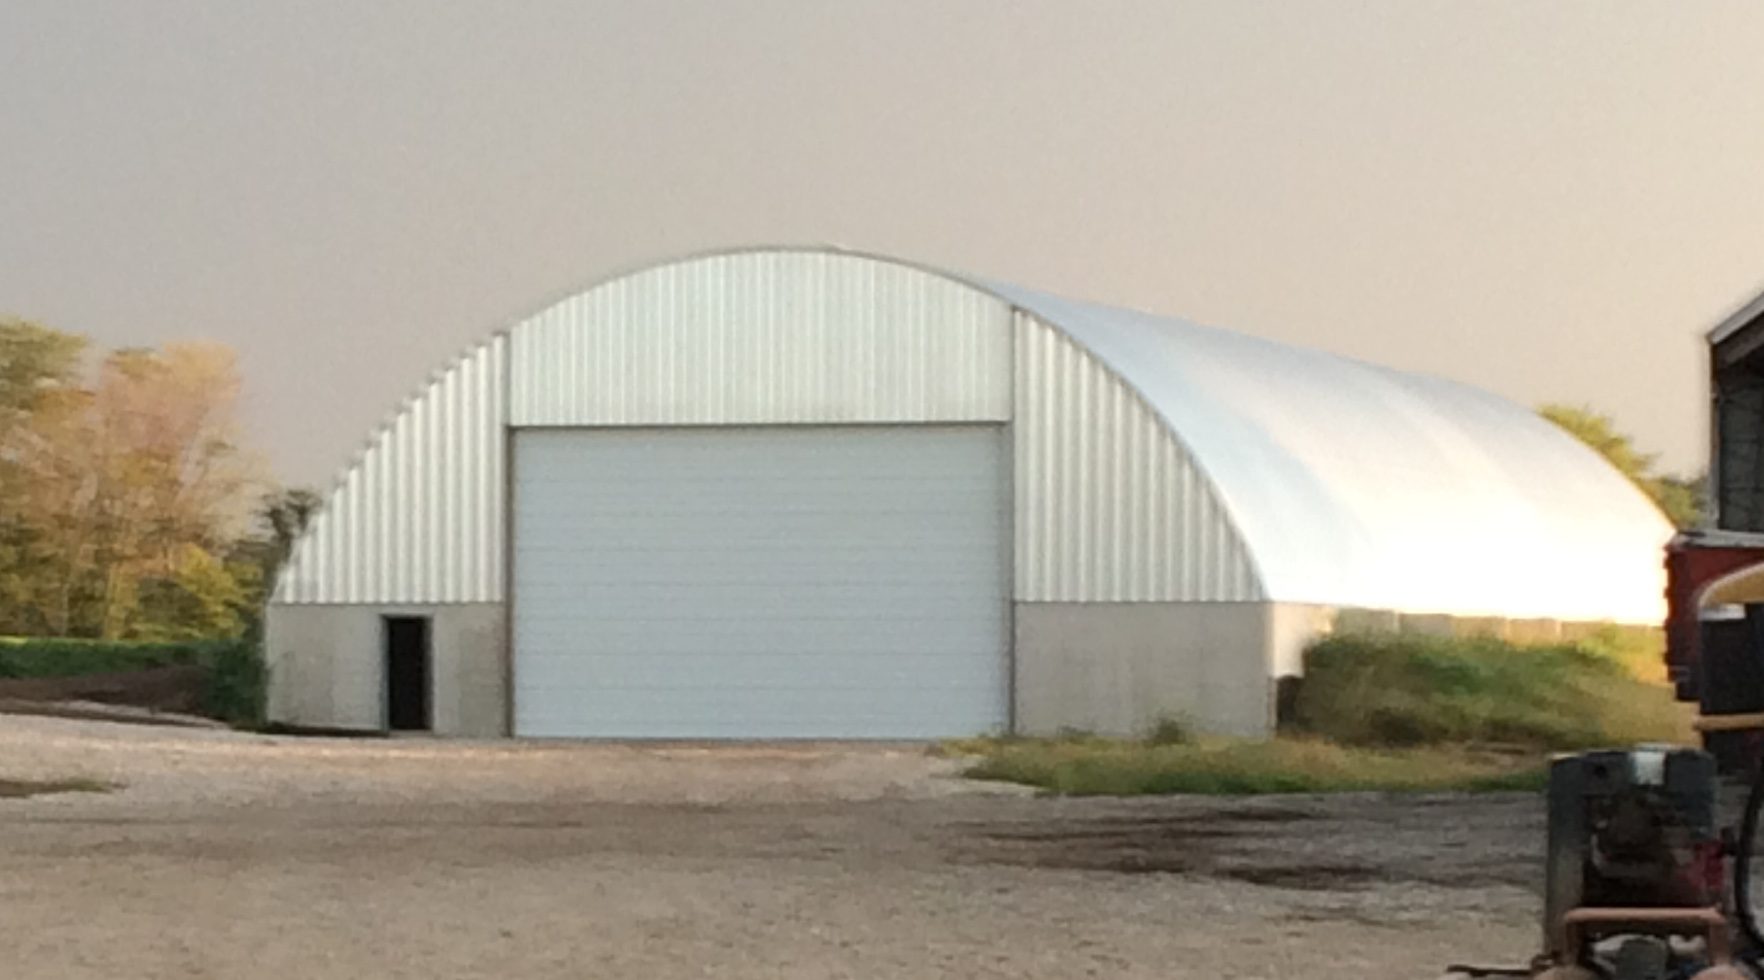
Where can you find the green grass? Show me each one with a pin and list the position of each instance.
(1090, 766)
(1389, 714)
(1640, 651)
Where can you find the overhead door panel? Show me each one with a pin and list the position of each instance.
(765, 582)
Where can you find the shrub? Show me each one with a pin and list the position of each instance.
(1170, 731)
(51, 657)
(238, 681)
(234, 671)
(1397, 691)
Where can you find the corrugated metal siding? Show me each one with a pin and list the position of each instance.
(1109, 506)
(1346, 482)
(419, 518)
(766, 337)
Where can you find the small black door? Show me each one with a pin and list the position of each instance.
(407, 673)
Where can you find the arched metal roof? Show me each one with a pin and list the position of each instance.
(1358, 485)
(1298, 475)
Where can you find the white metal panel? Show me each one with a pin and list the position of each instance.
(766, 337)
(418, 517)
(761, 582)
(1109, 506)
(1356, 485)
(1346, 484)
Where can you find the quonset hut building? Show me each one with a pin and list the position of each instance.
(777, 493)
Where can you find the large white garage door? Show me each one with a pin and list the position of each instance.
(779, 582)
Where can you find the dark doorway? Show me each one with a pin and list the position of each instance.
(407, 673)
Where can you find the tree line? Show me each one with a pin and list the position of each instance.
(130, 508)
(1682, 499)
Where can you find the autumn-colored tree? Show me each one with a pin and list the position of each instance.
(172, 473)
(121, 500)
(49, 500)
(1679, 498)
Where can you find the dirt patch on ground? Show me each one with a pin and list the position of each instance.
(1322, 848)
(234, 855)
(170, 689)
(18, 789)
(1185, 844)
(118, 713)
(1309, 877)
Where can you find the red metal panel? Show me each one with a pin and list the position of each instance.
(1691, 563)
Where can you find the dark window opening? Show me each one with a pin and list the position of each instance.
(1739, 450)
(407, 673)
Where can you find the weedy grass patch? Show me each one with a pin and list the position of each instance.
(1376, 714)
(1091, 766)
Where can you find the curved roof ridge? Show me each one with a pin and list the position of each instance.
(1342, 473)
(1342, 478)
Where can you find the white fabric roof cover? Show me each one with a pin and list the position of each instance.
(1357, 485)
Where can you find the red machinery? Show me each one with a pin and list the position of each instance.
(1638, 862)
(1694, 560)
(1646, 879)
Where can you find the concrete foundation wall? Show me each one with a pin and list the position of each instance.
(1119, 668)
(1108, 668)
(327, 666)
(1384, 622)
(1292, 628)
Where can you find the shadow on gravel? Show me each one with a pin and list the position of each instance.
(1326, 877)
(1174, 844)
(15, 789)
(1294, 850)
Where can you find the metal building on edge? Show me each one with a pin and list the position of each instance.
(777, 493)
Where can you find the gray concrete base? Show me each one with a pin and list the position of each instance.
(1108, 668)
(1385, 622)
(1120, 668)
(327, 666)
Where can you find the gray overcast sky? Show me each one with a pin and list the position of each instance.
(1552, 200)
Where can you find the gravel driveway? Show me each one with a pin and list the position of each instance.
(227, 855)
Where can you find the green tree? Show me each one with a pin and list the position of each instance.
(257, 559)
(200, 598)
(39, 383)
(33, 360)
(1679, 498)
(285, 515)
(1684, 499)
